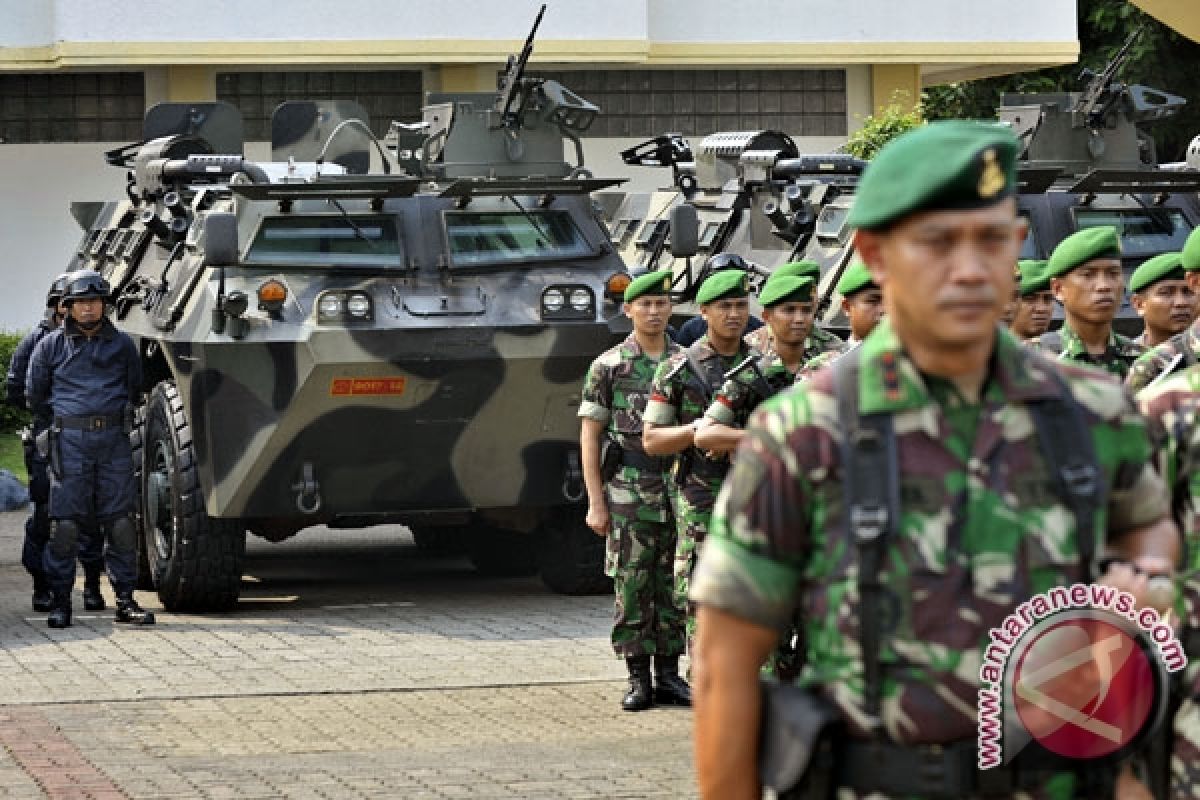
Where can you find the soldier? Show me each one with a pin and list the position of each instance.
(627, 498)
(862, 302)
(683, 389)
(1085, 276)
(37, 526)
(1162, 298)
(695, 327)
(84, 377)
(1035, 305)
(818, 340)
(899, 574)
(1178, 352)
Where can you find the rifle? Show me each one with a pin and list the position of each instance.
(511, 86)
(1089, 104)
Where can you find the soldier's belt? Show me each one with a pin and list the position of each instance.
(638, 460)
(95, 422)
(932, 771)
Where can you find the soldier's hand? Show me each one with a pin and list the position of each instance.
(1136, 578)
(598, 519)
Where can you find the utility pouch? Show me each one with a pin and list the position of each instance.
(41, 443)
(48, 448)
(610, 458)
(795, 746)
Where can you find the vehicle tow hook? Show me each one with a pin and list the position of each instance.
(573, 487)
(308, 491)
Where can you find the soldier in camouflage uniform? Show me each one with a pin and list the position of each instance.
(1172, 408)
(818, 340)
(1159, 293)
(1085, 276)
(862, 302)
(627, 499)
(1182, 350)
(977, 528)
(1035, 304)
(684, 386)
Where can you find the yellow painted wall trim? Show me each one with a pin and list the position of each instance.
(1182, 15)
(895, 84)
(464, 51)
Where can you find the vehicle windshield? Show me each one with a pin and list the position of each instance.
(511, 237)
(1143, 231)
(831, 223)
(327, 240)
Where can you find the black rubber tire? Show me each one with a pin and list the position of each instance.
(195, 560)
(145, 578)
(572, 556)
(497, 553)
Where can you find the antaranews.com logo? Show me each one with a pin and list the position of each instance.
(1079, 670)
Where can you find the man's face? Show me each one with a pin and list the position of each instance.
(1034, 312)
(1167, 307)
(727, 317)
(864, 309)
(946, 275)
(1092, 291)
(87, 312)
(649, 314)
(790, 322)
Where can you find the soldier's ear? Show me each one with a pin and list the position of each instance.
(1138, 301)
(1192, 276)
(868, 246)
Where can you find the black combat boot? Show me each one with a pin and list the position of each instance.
(641, 691)
(130, 612)
(60, 615)
(43, 598)
(92, 599)
(669, 688)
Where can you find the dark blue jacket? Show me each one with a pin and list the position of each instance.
(71, 375)
(14, 383)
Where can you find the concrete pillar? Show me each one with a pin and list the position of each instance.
(895, 83)
(466, 77)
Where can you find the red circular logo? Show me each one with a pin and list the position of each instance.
(1084, 688)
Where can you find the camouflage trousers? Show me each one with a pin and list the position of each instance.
(1185, 743)
(693, 508)
(640, 551)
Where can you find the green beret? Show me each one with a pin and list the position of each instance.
(1033, 277)
(799, 268)
(1165, 266)
(855, 278)
(954, 164)
(1081, 247)
(726, 283)
(1191, 251)
(786, 289)
(650, 283)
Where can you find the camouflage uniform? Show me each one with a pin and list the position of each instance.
(1169, 356)
(1172, 408)
(819, 341)
(641, 540)
(981, 528)
(1066, 344)
(679, 399)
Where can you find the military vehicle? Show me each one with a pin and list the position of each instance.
(326, 346)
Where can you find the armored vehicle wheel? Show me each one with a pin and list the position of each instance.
(145, 579)
(196, 561)
(572, 556)
(498, 553)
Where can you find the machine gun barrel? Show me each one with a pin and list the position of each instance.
(1090, 99)
(514, 73)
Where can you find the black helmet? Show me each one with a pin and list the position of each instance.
(57, 288)
(85, 284)
(726, 261)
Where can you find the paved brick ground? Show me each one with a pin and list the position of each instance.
(353, 668)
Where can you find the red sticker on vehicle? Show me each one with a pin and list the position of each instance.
(352, 387)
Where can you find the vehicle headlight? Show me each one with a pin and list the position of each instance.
(581, 299)
(358, 305)
(553, 300)
(330, 305)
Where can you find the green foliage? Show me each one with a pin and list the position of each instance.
(879, 129)
(1160, 58)
(10, 418)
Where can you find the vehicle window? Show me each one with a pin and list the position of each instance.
(331, 240)
(1144, 232)
(511, 237)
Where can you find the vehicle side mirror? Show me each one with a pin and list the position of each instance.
(685, 231)
(219, 239)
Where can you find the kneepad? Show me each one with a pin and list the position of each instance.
(64, 537)
(123, 533)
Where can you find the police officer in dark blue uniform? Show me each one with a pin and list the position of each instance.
(84, 377)
(37, 527)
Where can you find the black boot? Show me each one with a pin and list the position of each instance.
(669, 688)
(43, 598)
(60, 615)
(130, 612)
(641, 691)
(92, 599)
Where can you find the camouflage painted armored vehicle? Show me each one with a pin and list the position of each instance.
(326, 346)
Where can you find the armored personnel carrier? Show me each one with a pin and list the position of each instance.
(324, 345)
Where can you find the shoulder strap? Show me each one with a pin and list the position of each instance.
(706, 377)
(1067, 446)
(870, 469)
